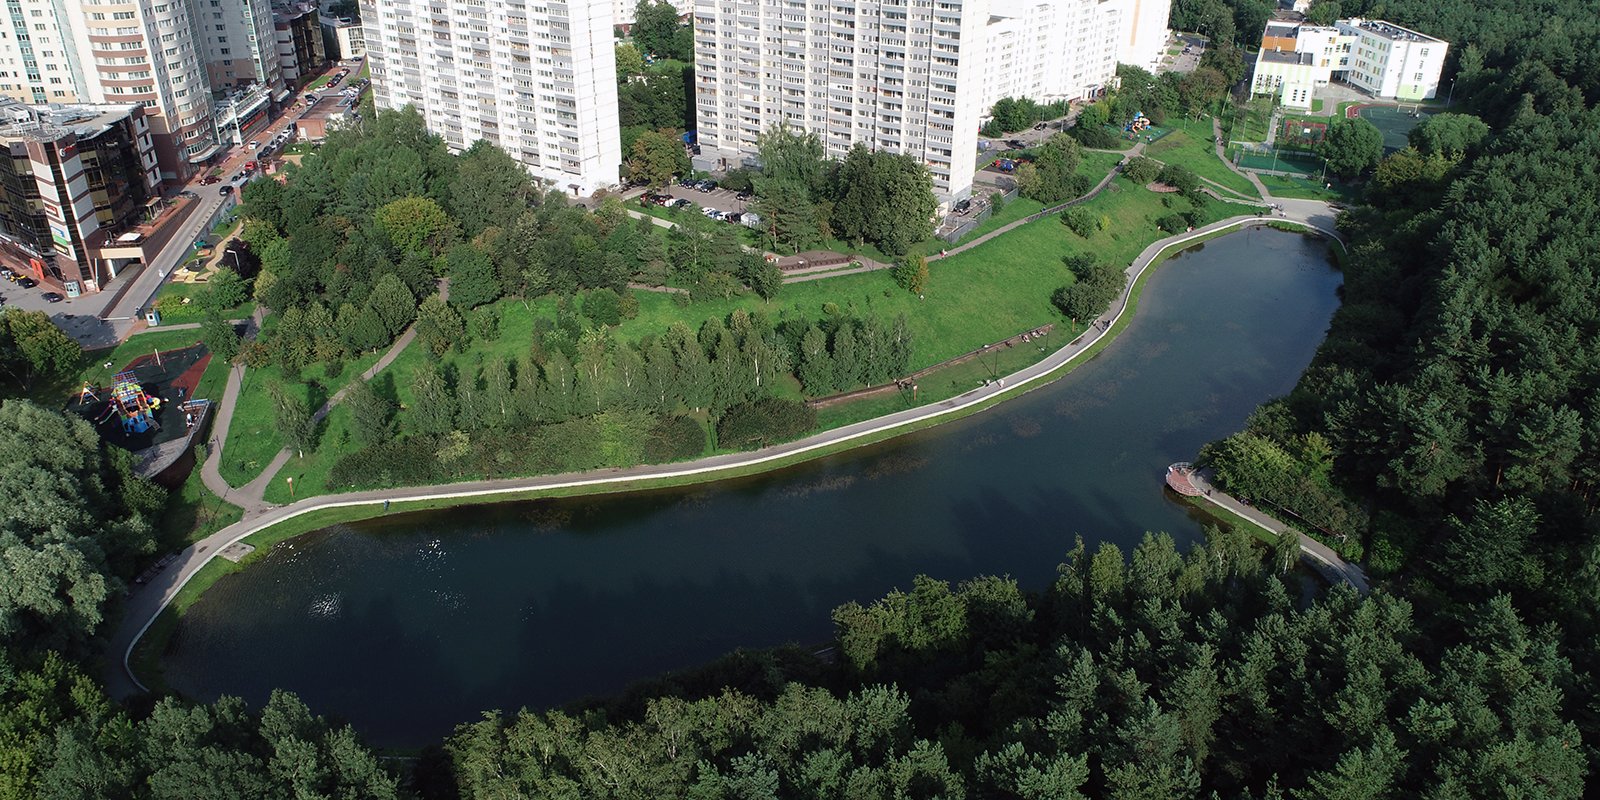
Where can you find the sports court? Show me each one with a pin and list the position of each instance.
(1297, 133)
(1279, 161)
(1394, 121)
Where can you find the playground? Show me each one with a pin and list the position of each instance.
(1393, 121)
(147, 403)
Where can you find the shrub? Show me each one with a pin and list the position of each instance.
(1173, 223)
(1180, 178)
(674, 438)
(1141, 170)
(1079, 220)
(603, 307)
(769, 420)
(485, 324)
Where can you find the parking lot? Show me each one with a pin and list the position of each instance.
(719, 199)
(1188, 60)
(78, 316)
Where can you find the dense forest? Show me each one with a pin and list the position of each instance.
(1447, 431)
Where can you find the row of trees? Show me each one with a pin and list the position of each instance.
(1173, 676)
(577, 374)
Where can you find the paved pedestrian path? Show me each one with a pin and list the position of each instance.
(250, 496)
(146, 602)
(1324, 558)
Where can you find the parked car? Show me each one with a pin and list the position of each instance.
(963, 205)
(1016, 144)
(711, 213)
(8, 274)
(226, 189)
(27, 283)
(706, 186)
(209, 179)
(254, 144)
(682, 202)
(734, 217)
(52, 297)
(656, 199)
(1041, 126)
(746, 195)
(687, 183)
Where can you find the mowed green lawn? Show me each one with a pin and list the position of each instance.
(253, 436)
(1192, 149)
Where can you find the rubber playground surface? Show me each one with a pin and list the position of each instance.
(1395, 122)
(171, 375)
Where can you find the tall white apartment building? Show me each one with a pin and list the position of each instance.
(1146, 33)
(116, 51)
(240, 47)
(1049, 51)
(38, 57)
(899, 75)
(152, 54)
(536, 77)
(911, 76)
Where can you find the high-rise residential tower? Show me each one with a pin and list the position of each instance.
(912, 76)
(1145, 35)
(536, 77)
(899, 75)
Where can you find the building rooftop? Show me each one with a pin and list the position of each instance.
(47, 123)
(1389, 30)
(1286, 57)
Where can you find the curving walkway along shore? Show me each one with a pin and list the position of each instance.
(147, 602)
(1321, 556)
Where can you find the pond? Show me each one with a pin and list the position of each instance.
(409, 624)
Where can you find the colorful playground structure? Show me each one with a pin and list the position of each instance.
(1138, 123)
(129, 403)
(149, 407)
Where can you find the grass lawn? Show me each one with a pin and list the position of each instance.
(1011, 212)
(194, 513)
(311, 472)
(253, 437)
(1191, 148)
(1316, 106)
(1309, 189)
(1249, 122)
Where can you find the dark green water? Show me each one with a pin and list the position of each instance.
(411, 624)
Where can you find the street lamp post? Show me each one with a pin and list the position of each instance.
(1449, 99)
(291, 487)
